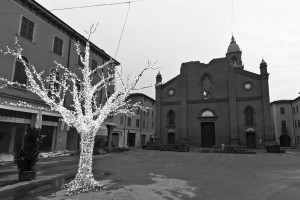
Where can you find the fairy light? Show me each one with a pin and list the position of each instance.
(86, 116)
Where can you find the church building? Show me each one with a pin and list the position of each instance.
(215, 103)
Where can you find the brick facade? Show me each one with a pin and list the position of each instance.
(211, 101)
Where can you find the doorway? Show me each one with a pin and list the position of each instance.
(73, 138)
(143, 140)
(250, 141)
(207, 134)
(171, 138)
(131, 139)
(115, 140)
(47, 132)
(285, 140)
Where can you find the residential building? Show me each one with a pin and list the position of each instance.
(215, 103)
(286, 122)
(44, 38)
(137, 130)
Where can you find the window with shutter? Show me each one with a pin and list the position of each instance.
(27, 28)
(53, 84)
(79, 60)
(54, 78)
(94, 65)
(58, 46)
(20, 74)
(129, 121)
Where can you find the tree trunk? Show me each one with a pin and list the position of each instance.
(86, 155)
(84, 180)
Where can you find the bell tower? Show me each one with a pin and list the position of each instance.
(234, 55)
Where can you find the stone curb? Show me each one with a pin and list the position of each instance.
(40, 184)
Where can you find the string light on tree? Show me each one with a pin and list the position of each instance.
(85, 114)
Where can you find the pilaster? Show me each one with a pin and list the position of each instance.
(183, 133)
(233, 118)
(268, 131)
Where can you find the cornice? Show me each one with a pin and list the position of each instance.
(198, 101)
(164, 85)
(22, 99)
(248, 74)
(170, 103)
(257, 98)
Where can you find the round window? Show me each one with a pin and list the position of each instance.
(248, 86)
(171, 92)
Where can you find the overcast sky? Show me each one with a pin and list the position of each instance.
(175, 31)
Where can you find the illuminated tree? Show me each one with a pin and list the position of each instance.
(85, 114)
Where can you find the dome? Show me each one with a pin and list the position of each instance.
(233, 47)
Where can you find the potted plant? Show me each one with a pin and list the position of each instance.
(27, 158)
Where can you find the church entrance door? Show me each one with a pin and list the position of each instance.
(250, 141)
(207, 134)
(171, 138)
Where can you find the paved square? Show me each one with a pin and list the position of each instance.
(141, 174)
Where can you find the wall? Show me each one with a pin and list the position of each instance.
(39, 53)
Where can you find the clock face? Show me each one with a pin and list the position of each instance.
(248, 86)
(171, 92)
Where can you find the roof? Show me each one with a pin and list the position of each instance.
(141, 95)
(285, 101)
(281, 102)
(37, 9)
(233, 47)
(170, 81)
(263, 61)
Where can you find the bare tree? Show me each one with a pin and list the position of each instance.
(85, 114)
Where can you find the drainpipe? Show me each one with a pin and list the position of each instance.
(124, 134)
(293, 125)
(68, 60)
(141, 124)
(69, 52)
(125, 145)
(140, 131)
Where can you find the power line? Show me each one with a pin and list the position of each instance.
(122, 31)
(78, 7)
(289, 65)
(231, 16)
(270, 66)
(97, 5)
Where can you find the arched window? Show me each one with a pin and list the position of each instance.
(54, 79)
(19, 74)
(233, 58)
(171, 118)
(207, 113)
(249, 113)
(53, 82)
(206, 85)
